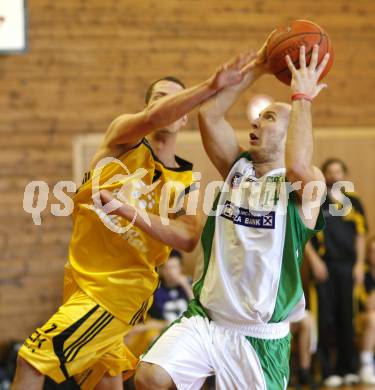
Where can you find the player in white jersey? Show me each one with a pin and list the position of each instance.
(237, 327)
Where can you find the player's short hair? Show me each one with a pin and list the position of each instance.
(334, 160)
(167, 78)
(176, 253)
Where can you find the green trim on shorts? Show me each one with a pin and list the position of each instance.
(273, 356)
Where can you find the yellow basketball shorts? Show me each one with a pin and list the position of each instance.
(81, 340)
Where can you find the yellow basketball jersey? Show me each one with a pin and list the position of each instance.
(111, 260)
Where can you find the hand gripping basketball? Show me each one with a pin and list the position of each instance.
(305, 79)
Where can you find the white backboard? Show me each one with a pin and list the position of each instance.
(13, 26)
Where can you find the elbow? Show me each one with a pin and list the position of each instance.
(206, 113)
(152, 118)
(207, 121)
(202, 115)
(190, 243)
(298, 172)
(203, 111)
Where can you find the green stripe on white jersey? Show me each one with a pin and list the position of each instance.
(253, 247)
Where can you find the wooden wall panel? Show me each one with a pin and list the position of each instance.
(90, 60)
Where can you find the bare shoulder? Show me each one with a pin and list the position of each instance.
(116, 125)
(127, 129)
(105, 150)
(102, 152)
(123, 118)
(114, 143)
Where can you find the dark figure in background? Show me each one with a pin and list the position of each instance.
(337, 257)
(366, 317)
(174, 293)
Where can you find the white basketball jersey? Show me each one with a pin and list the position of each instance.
(253, 248)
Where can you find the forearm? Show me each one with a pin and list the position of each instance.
(220, 143)
(178, 233)
(221, 103)
(172, 107)
(188, 289)
(311, 254)
(130, 128)
(360, 246)
(218, 136)
(299, 143)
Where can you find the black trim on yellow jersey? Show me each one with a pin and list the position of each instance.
(87, 175)
(59, 340)
(94, 332)
(192, 187)
(138, 314)
(157, 175)
(184, 165)
(132, 321)
(73, 349)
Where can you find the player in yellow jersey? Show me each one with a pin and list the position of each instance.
(110, 276)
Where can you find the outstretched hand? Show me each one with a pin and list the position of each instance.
(233, 72)
(305, 79)
(260, 60)
(238, 70)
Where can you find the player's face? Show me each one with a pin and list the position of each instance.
(171, 271)
(268, 132)
(371, 254)
(334, 173)
(165, 88)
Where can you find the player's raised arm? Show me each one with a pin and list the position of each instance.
(299, 143)
(218, 136)
(165, 109)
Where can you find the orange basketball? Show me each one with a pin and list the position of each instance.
(289, 39)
